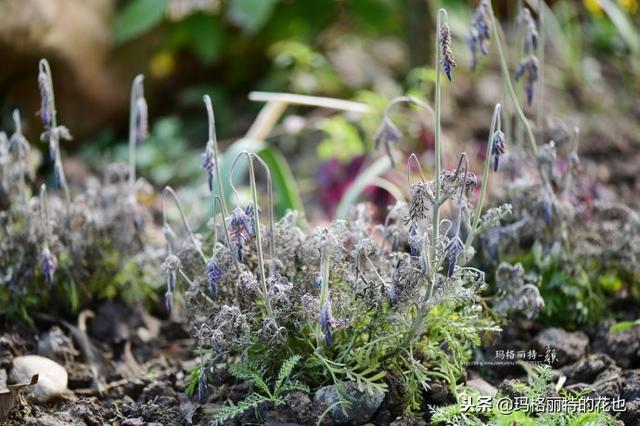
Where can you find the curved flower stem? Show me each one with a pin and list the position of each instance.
(53, 134)
(507, 79)
(137, 91)
(213, 140)
(168, 190)
(250, 157)
(254, 195)
(541, 59)
(412, 100)
(495, 125)
(218, 199)
(44, 214)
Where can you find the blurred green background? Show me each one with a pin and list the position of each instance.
(367, 50)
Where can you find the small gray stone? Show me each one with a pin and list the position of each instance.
(362, 408)
(622, 346)
(587, 369)
(52, 380)
(482, 386)
(564, 346)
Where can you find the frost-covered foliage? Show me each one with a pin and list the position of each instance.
(70, 247)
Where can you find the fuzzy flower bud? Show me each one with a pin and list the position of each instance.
(386, 135)
(454, 250)
(240, 230)
(528, 68)
(214, 273)
(170, 266)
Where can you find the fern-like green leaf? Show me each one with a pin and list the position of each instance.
(285, 371)
(253, 375)
(232, 410)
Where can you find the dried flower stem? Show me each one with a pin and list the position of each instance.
(213, 140)
(254, 194)
(250, 156)
(44, 215)
(169, 191)
(507, 79)
(220, 202)
(53, 134)
(495, 125)
(137, 91)
(541, 58)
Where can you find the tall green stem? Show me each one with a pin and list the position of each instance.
(169, 191)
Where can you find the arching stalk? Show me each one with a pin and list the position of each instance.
(54, 139)
(495, 125)
(254, 195)
(213, 140)
(137, 92)
(169, 191)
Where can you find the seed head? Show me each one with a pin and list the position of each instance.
(48, 264)
(448, 62)
(497, 148)
(214, 273)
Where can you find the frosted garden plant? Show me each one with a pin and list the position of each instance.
(64, 247)
(547, 206)
(354, 302)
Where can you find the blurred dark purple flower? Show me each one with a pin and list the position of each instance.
(528, 68)
(326, 321)
(141, 119)
(480, 32)
(48, 264)
(168, 301)
(547, 209)
(209, 164)
(202, 387)
(240, 230)
(386, 135)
